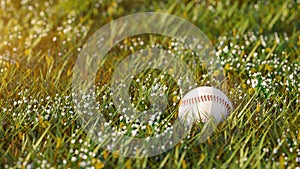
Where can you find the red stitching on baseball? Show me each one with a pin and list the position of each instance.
(204, 98)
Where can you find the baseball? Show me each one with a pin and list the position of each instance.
(204, 103)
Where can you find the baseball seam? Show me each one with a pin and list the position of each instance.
(206, 98)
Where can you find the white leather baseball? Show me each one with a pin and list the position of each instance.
(202, 103)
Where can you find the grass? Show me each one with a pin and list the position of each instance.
(257, 43)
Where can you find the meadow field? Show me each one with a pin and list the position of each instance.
(257, 44)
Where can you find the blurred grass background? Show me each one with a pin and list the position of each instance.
(40, 42)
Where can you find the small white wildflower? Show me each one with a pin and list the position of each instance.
(254, 83)
(73, 159)
(225, 49)
(255, 54)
